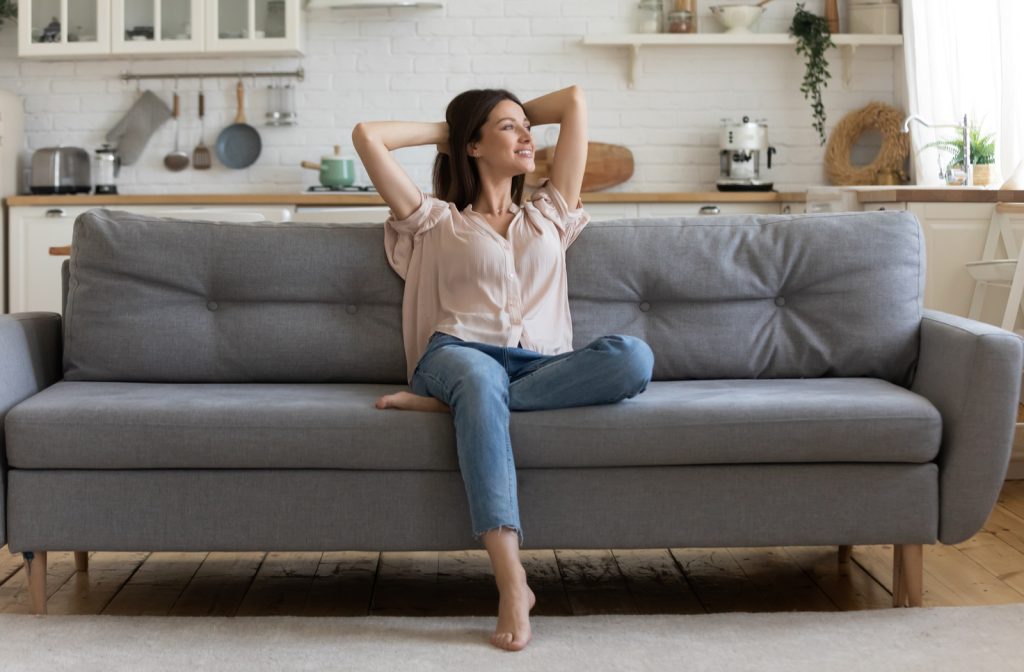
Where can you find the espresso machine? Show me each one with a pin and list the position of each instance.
(740, 156)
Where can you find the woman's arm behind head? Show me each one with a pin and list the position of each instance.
(374, 141)
(568, 108)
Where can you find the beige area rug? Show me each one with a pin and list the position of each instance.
(926, 639)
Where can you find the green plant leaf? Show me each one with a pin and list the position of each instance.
(813, 39)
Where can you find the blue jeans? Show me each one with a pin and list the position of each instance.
(482, 383)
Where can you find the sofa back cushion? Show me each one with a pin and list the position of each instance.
(758, 296)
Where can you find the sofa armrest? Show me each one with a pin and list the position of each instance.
(30, 360)
(971, 372)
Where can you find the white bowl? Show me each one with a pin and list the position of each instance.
(737, 18)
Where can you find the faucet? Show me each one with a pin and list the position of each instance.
(968, 169)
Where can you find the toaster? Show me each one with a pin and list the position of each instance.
(60, 170)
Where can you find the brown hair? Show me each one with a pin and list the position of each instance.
(456, 177)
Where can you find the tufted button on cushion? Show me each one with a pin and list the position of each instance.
(644, 307)
(211, 305)
(779, 301)
(351, 309)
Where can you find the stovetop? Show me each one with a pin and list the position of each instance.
(364, 189)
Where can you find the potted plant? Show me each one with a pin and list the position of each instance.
(813, 39)
(8, 10)
(983, 153)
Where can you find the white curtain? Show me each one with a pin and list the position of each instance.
(965, 58)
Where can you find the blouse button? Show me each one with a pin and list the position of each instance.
(644, 307)
(351, 309)
(779, 301)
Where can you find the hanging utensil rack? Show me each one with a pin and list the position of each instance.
(299, 74)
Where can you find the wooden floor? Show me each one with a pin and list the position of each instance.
(986, 569)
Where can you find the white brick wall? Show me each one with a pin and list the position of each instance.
(407, 64)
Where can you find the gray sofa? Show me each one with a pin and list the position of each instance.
(211, 386)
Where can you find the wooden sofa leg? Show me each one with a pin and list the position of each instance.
(81, 561)
(908, 575)
(35, 567)
(897, 576)
(844, 554)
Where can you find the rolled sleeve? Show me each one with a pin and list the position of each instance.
(551, 204)
(400, 234)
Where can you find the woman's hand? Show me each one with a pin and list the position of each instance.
(442, 148)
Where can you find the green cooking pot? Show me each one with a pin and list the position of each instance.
(335, 170)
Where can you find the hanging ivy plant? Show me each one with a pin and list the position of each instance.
(813, 39)
(8, 10)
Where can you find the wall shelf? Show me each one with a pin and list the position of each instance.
(847, 42)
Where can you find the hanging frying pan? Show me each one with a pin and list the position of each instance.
(239, 145)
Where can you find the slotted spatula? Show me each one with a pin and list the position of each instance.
(201, 155)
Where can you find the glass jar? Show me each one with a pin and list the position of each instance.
(650, 14)
(680, 22)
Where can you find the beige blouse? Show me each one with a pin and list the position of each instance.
(464, 279)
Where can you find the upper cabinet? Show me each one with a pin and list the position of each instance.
(63, 28)
(157, 26)
(253, 25)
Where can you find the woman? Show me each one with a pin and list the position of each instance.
(486, 313)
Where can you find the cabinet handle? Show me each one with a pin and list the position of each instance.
(786, 210)
(710, 210)
(55, 212)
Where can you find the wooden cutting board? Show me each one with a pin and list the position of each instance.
(607, 165)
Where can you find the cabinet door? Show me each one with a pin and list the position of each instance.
(604, 211)
(954, 234)
(896, 205)
(373, 215)
(35, 281)
(709, 208)
(60, 28)
(253, 26)
(157, 26)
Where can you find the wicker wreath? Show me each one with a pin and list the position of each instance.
(891, 156)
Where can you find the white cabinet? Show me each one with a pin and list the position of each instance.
(708, 208)
(63, 28)
(605, 211)
(954, 234)
(253, 25)
(354, 214)
(34, 278)
(157, 26)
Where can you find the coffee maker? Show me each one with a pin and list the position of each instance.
(740, 156)
(108, 165)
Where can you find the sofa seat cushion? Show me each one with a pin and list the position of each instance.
(99, 425)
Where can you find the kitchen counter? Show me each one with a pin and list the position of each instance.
(910, 193)
(881, 194)
(327, 199)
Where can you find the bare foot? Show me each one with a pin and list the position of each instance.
(513, 630)
(407, 401)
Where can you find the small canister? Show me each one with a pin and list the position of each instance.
(650, 15)
(680, 22)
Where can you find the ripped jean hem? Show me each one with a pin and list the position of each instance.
(477, 535)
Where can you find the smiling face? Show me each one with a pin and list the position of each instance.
(505, 146)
